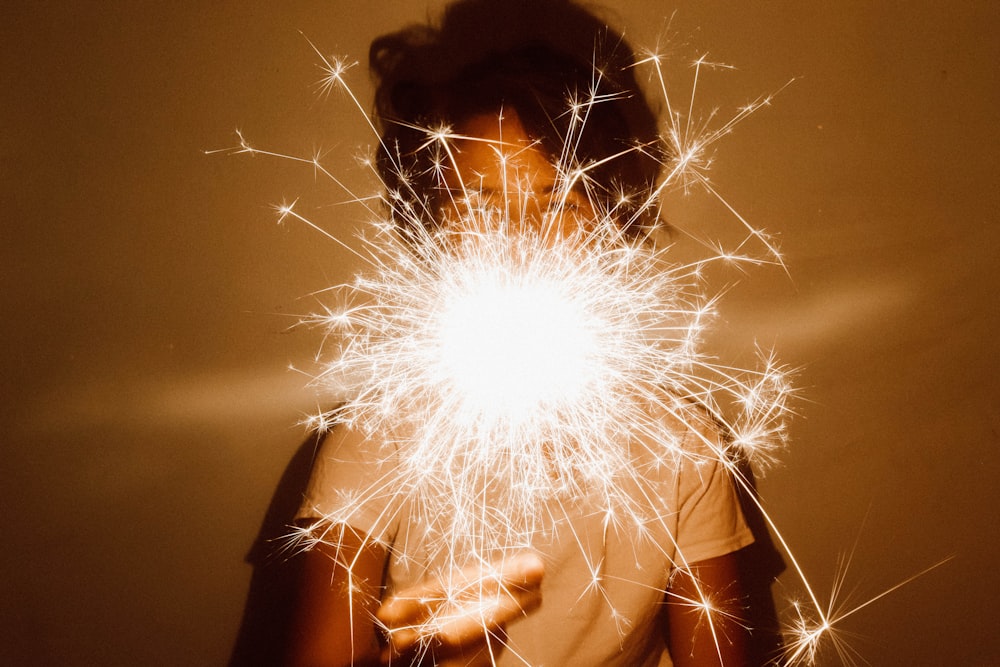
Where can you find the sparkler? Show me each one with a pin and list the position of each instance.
(509, 372)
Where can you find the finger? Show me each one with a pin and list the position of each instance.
(473, 602)
(524, 569)
(407, 616)
(500, 598)
(471, 621)
(406, 622)
(418, 602)
(518, 579)
(412, 605)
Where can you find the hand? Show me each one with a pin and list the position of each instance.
(461, 620)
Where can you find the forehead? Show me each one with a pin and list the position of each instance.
(495, 153)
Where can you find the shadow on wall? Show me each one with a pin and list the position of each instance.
(265, 629)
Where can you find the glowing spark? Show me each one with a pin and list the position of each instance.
(496, 356)
(507, 372)
(513, 373)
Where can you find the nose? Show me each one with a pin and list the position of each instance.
(513, 212)
(545, 212)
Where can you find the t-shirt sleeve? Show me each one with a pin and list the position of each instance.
(710, 522)
(352, 483)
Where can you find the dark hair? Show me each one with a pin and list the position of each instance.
(530, 56)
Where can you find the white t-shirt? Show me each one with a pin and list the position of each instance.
(603, 587)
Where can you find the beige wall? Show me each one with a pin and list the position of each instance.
(147, 410)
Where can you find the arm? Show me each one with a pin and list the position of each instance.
(704, 615)
(338, 594)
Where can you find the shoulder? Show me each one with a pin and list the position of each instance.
(689, 430)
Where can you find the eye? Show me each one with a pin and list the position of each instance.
(574, 203)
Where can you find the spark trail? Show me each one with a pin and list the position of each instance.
(508, 371)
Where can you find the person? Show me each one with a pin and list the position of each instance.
(499, 74)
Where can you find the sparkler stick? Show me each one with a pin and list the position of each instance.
(508, 374)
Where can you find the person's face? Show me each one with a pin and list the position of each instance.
(500, 180)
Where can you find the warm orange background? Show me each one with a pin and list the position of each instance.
(147, 410)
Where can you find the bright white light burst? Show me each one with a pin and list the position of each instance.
(507, 369)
